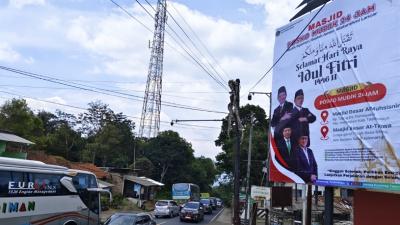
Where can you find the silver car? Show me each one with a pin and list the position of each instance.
(166, 208)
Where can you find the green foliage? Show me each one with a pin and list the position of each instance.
(259, 145)
(204, 173)
(144, 165)
(105, 138)
(224, 191)
(117, 200)
(16, 116)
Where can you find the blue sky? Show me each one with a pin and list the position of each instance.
(94, 41)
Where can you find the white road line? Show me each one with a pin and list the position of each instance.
(161, 223)
(216, 215)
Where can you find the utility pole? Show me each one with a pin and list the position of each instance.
(233, 108)
(246, 216)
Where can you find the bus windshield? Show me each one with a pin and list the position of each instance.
(181, 187)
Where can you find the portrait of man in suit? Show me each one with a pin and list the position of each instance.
(286, 147)
(282, 113)
(301, 117)
(306, 166)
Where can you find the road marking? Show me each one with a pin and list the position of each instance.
(216, 215)
(162, 223)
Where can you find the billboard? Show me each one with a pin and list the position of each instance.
(260, 192)
(336, 97)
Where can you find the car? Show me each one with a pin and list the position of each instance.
(193, 211)
(166, 208)
(213, 202)
(130, 219)
(219, 203)
(207, 205)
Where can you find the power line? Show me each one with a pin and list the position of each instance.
(132, 16)
(201, 42)
(194, 44)
(69, 88)
(186, 48)
(148, 29)
(81, 108)
(291, 44)
(130, 90)
(102, 90)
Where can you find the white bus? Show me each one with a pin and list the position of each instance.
(35, 193)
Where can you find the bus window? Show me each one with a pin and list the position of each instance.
(5, 177)
(84, 181)
(47, 184)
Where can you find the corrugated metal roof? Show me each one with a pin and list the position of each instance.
(14, 138)
(103, 184)
(143, 181)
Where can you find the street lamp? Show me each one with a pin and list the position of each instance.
(268, 94)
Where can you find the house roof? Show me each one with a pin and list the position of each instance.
(100, 174)
(147, 182)
(13, 138)
(103, 184)
(57, 160)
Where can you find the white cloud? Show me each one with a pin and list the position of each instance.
(21, 3)
(278, 11)
(7, 54)
(112, 46)
(242, 10)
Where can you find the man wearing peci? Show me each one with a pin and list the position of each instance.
(301, 117)
(306, 166)
(281, 113)
(286, 147)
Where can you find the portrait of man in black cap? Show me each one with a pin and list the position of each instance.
(301, 117)
(282, 113)
(286, 147)
(306, 166)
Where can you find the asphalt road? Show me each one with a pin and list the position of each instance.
(208, 219)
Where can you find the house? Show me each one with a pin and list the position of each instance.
(140, 189)
(18, 145)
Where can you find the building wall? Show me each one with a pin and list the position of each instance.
(372, 208)
(117, 180)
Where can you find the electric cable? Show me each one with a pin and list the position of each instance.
(287, 49)
(82, 108)
(188, 51)
(101, 90)
(201, 42)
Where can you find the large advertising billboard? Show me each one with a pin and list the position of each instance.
(336, 97)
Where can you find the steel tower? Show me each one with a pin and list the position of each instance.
(150, 119)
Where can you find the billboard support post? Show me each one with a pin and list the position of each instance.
(328, 215)
(309, 202)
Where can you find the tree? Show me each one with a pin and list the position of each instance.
(203, 173)
(109, 135)
(172, 157)
(144, 166)
(17, 117)
(259, 144)
(62, 138)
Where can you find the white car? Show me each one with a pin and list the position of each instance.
(166, 208)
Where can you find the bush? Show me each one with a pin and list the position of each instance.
(117, 201)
